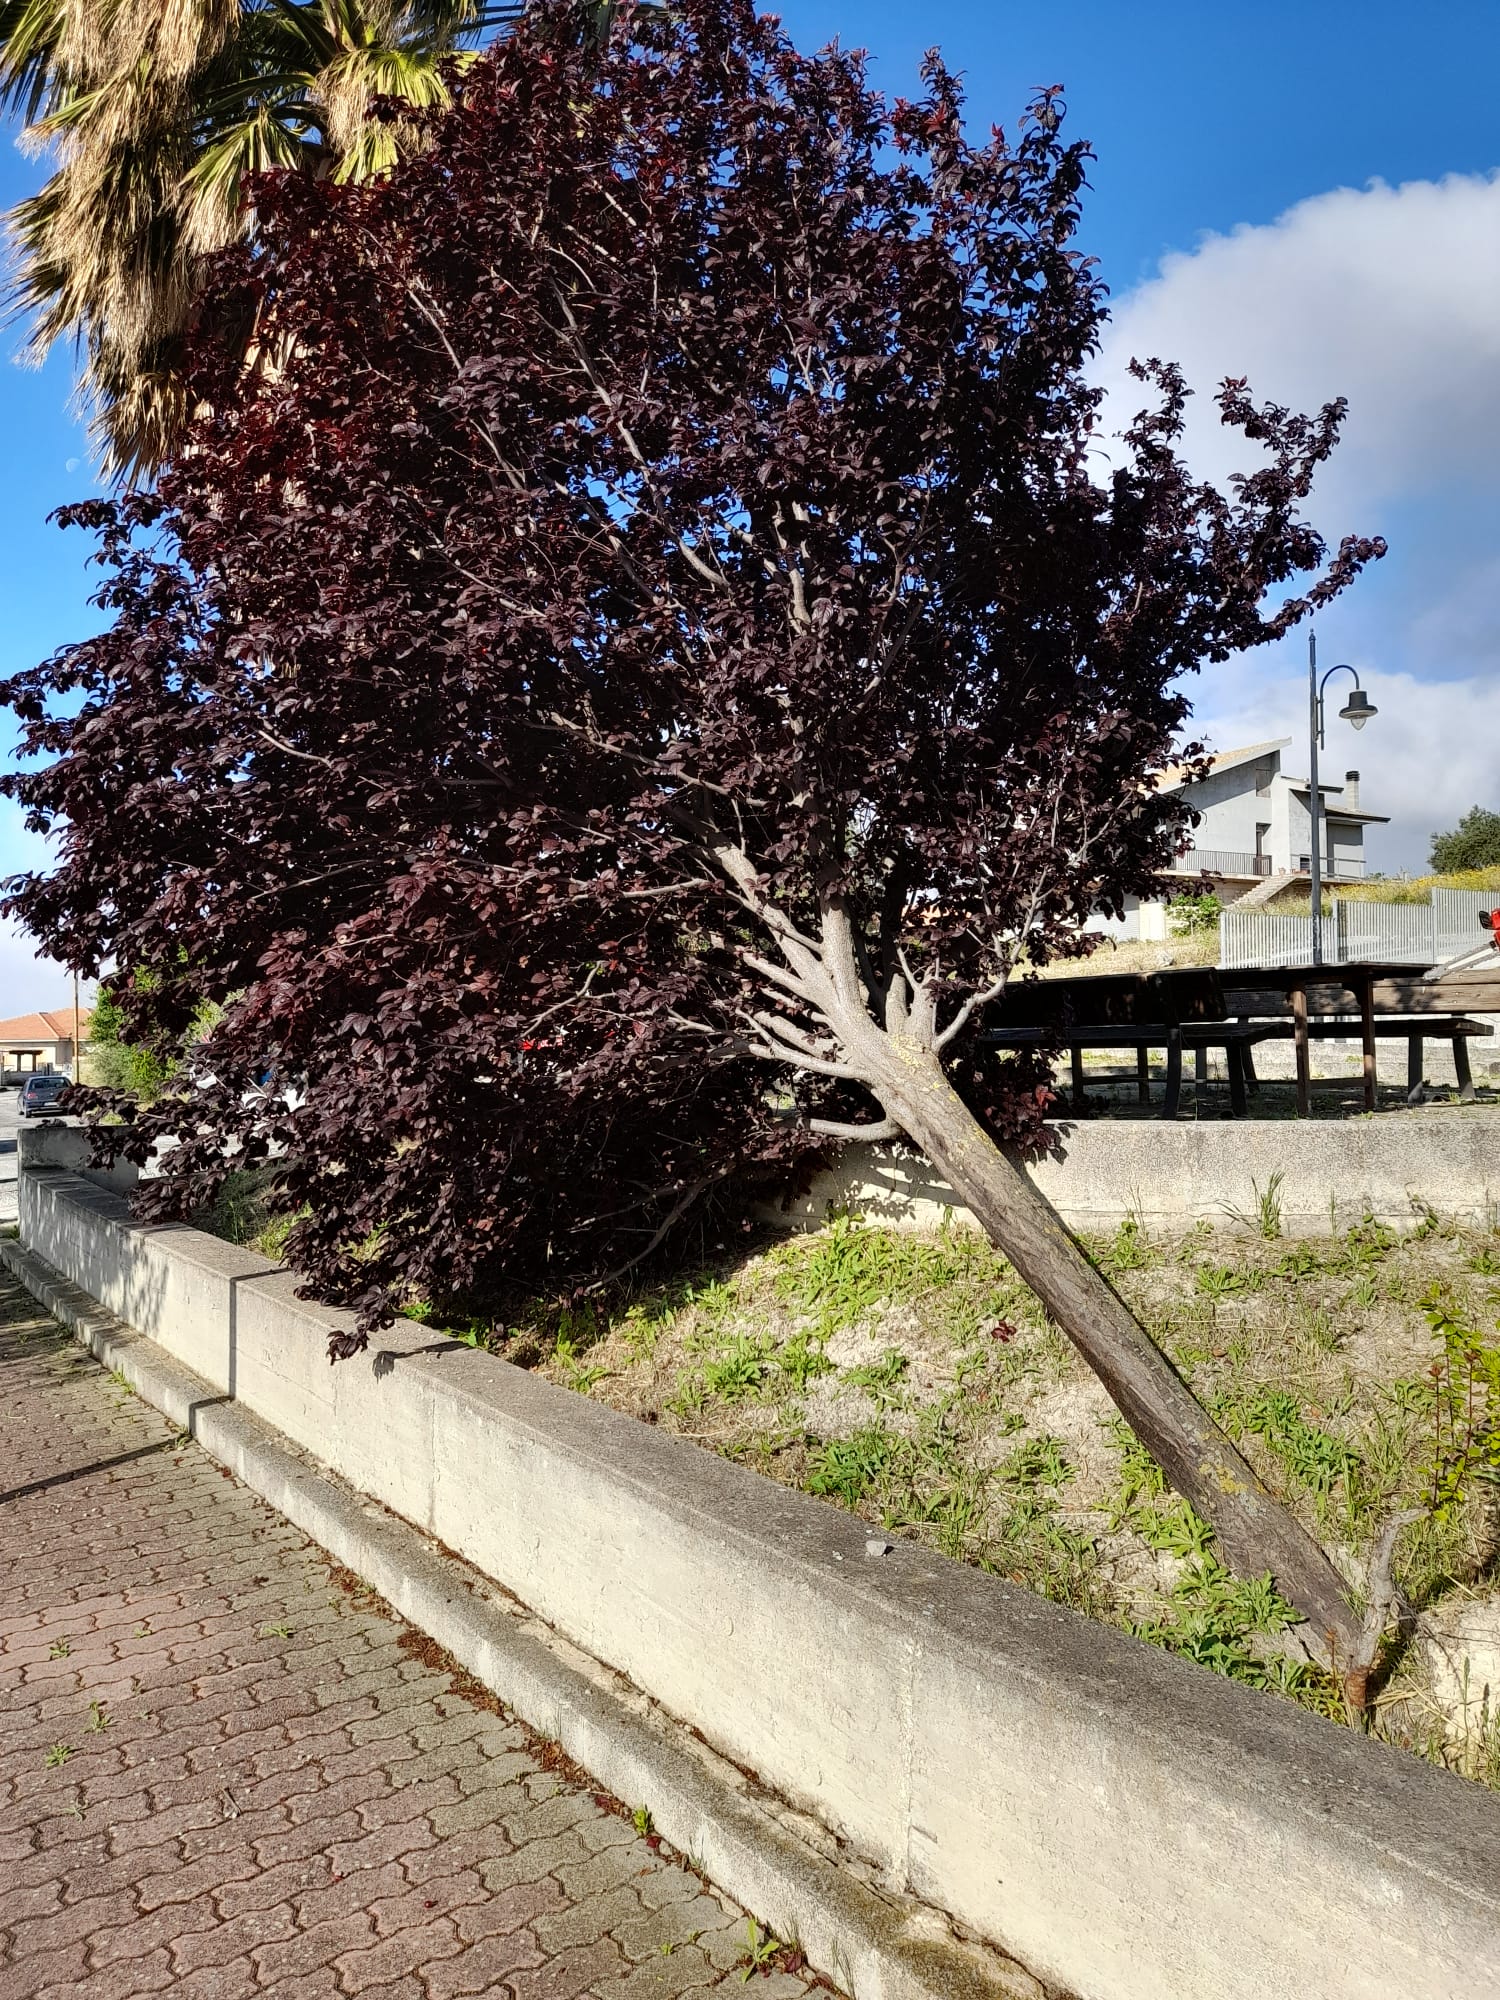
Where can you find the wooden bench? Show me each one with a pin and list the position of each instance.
(1143, 1011)
(1193, 1009)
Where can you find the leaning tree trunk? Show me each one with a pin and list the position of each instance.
(1254, 1529)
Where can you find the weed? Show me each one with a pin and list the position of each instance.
(1039, 1462)
(98, 1719)
(1466, 1407)
(59, 1649)
(738, 1371)
(1315, 1458)
(879, 1378)
(1429, 1222)
(1264, 1215)
(1368, 1242)
(1175, 1530)
(57, 1755)
(1363, 1292)
(640, 1819)
(1222, 1281)
(1193, 1241)
(1221, 1621)
(1303, 1262)
(1141, 1478)
(802, 1359)
(850, 1269)
(1486, 1263)
(143, 1630)
(846, 1469)
(761, 1949)
(580, 1375)
(1129, 1250)
(276, 1631)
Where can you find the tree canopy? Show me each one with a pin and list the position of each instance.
(156, 115)
(1473, 843)
(659, 642)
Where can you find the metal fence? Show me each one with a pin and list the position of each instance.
(1455, 917)
(1407, 933)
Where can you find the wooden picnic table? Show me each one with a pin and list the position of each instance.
(1197, 1008)
(1378, 988)
(1358, 979)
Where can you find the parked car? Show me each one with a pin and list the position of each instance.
(39, 1095)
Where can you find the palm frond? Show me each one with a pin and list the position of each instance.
(31, 35)
(156, 111)
(211, 199)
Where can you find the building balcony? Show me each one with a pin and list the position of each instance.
(1221, 861)
(1350, 869)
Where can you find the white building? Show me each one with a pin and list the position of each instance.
(1254, 827)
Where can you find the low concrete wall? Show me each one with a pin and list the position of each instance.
(1333, 1172)
(1130, 1827)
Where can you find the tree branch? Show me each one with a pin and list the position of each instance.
(828, 1128)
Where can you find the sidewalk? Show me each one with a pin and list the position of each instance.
(225, 1771)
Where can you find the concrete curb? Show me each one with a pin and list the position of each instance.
(873, 1944)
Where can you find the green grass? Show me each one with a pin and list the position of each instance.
(914, 1380)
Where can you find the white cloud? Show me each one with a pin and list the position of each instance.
(1390, 297)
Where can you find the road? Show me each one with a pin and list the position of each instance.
(8, 1155)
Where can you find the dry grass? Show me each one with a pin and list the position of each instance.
(1296, 900)
(1137, 955)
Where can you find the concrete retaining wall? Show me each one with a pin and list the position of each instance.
(1128, 1826)
(1333, 1172)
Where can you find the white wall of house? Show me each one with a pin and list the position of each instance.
(1233, 804)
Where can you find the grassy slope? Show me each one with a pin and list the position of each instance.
(916, 1381)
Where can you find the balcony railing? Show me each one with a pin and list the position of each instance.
(1221, 861)
(1347, 870)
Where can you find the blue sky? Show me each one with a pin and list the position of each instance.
(1304, 193)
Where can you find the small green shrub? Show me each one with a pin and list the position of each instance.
(1194, 916)
(847, 1469)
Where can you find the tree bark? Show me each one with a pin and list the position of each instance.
(1255, 1531)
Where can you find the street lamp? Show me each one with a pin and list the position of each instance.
(1356, 711)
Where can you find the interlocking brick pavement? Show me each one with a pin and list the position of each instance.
(226, 1771)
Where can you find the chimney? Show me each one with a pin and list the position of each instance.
(1351, 790)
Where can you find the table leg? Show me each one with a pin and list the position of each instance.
(1461, 1069)
(1234, 1057)
(1173, 1097)
(1200, 1067)
(1143, 1076)
(1247, 1058)
(1304, 1067)
(1367, 1031)
(1079, 1100)
(1413, 1061)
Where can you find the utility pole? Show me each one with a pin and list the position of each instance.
(1314, 801)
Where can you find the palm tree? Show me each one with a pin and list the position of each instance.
(156, 111)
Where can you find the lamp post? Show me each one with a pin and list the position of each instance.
(1356, 711)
